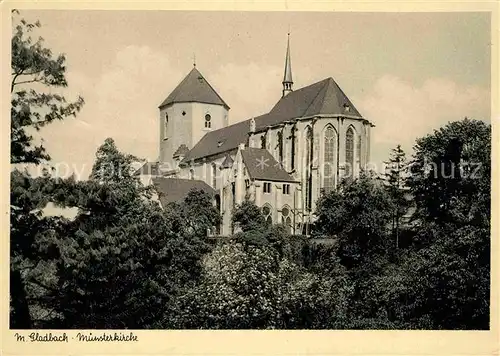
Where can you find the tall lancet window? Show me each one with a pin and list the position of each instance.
(279, 146)
(329, 159)
(308, 167)
(358, 152)
(214, 175)
(263, 142)
(292, 148)
(349, 153)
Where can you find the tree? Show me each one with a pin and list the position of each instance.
(31, 108)
(395, 177)
(450, 173)
(249, 216)
(120, 238)
(199, 211)
(195, 215)
(357, 214)
(450, 180)
(32, 63)
(246, 287)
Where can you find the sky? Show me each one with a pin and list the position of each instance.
(408, 73)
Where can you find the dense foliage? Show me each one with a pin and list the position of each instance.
(126, 262)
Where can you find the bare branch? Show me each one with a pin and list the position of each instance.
(37, 80)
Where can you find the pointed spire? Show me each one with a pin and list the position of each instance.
(287, 78)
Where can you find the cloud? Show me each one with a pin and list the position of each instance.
(121, 103)
(249, 90)
(403, 112)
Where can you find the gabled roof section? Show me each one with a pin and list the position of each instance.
(321, 98)
(194, 88)
(261, 165)
(175, 189)
(219, 141)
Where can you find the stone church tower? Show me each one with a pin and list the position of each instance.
(192, 109)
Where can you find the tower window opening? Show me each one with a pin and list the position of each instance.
(165, 128)
(208, 123)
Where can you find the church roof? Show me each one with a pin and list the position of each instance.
(219, 141)
(194, 88)
(321, 98)
(176, 189)
(261, 165)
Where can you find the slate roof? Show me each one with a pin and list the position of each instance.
(148, 168)
(321, 98)
(261, 165)
(219, 141)
(194, 88)
(176, 189)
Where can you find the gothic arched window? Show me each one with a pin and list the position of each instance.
(358, 152)
(329, 159)
(286, 218)
(308, 167)
(263, 142)
(292, 148)
(208, 122)
(266, 211)
(349, 153)
(214, 175)
(280, 147)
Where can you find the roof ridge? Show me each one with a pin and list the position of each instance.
(194, 87)
(346, 97)
(176, 91)
(319, 91)
(215, 91)
(329, 80)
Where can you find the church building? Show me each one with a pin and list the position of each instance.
(283, 160)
